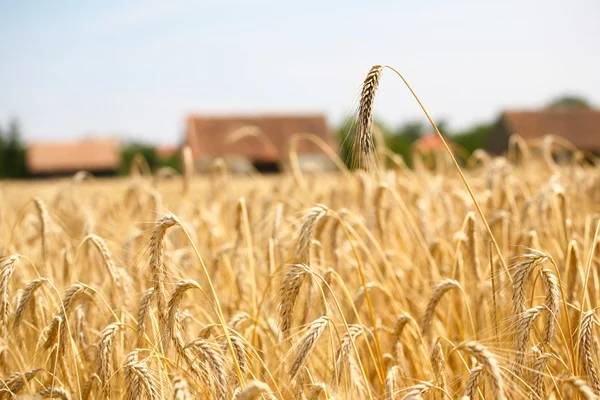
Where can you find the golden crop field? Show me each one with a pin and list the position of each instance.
(356, 285)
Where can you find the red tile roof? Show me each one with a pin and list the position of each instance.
(429, 142)
(579, 126)
(167, 151)
(208, 135)
(60, 157)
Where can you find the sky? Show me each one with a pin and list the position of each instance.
(136, 69)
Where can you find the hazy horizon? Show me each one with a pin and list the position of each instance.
(137, 69)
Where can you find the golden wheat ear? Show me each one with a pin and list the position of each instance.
(365, 110)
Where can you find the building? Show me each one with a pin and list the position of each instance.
(429, 143)
(165, 152)
(259, 141)
(579, 126)
(97, 156)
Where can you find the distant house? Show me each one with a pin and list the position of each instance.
(260, 141)
(166, 151)
(429, 143)
(579, 126)
(97, 156)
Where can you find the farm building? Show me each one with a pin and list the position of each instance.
(429, 143)
(166, 151)
(97, 156)
(260, 141)
(579, 126)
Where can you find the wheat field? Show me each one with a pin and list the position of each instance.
(378, 284)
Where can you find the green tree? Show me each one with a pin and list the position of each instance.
(401, 145)
(348, 143)
(410, 131)
(474, 137)
(443, 127)
(2, 147)
(129, 152)
(568, 102)
(173, 161)
(12, 151)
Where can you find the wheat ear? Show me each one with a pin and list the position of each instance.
(390, 383)
(139, 379)
(143, 313)
(104, 356)
(537, 376)
(44, 224)
(581, 388)
(72, 294)
(254, 389)
(521, 279)
(586, 350)
(525, 324)
(173, 306)
(307, 229)
(100, 244)
(6, 271)
(54, 392)
(181, 390)
(487, 359)
(438, 293)
(472, 384)
(290, 289)
(214, 358)
(308, 344)
(15, 382)
(439, 373)
(365, 109)
(343, 354)
(157, 268)
(552, 290)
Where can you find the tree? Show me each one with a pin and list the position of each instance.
(12, 151)
(410, 131)
(474, 137)
(2, 147)
(129, 152)
(173, 161)
(569, 102)
(348, 143)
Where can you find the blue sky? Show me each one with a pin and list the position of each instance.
(135, 69)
